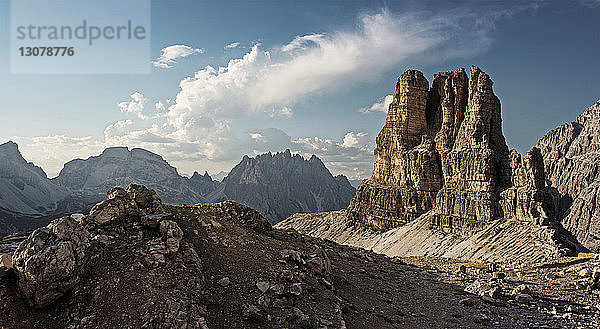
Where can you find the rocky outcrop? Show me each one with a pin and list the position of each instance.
(279, 185)
(571, 155)
(6, 265)
(52, 260)
(24, 187)
(442, 153)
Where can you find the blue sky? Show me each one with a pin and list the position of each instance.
(301, 73)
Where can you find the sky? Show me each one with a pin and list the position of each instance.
(229, 78)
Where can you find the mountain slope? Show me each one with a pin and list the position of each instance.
(572, 162)
(280, 185)
(119, 166)
(24, 187)
(149, 265)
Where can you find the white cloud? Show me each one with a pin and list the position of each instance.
(352, 157)
(272, 81)
(590, 3)
(358, 140)
(159, 106)
(169, 55)
(303, 42)
(232, 45)
(135, 105)
(380, 106)
(118, 128)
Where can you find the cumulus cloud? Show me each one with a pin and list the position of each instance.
(380, 106)
(159, 106)
(303, 42)
(232, 45)
(353, 156)
(135, 105)
(53, 151)
(169, 55)
(359, 140)
(272, 81)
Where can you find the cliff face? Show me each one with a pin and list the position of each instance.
(24, 187)
(281, 185)
(572, 162)
(119, 166)
(442, 152)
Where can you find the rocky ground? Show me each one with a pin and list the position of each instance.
(564, 289)
(135, 263)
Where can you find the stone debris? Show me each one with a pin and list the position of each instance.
(224, 282)
(5, 264)
(262, 286)
(171, 235)
(251, 312)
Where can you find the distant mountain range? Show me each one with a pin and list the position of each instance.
(276, 185)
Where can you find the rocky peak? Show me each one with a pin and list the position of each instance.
(9, 153)
(279, 185)
(9, 148)
(571, 156)
(24, 187)
(203, 184)
(442, 151)
(119, 166)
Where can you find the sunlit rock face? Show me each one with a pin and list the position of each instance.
(442, 152)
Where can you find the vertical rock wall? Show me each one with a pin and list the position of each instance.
(442, 152)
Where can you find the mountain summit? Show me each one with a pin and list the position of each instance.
(24, 187)
(119, 166)
(442, 151)
(280, 185)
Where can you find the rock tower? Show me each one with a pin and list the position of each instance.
(442, 153)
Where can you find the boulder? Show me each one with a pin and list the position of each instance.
(146, 199)
(52, 260)
(115, 207)
(5, 264)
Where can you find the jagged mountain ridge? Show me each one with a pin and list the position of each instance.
(279, 185)
(24, 187)
(572, 162)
